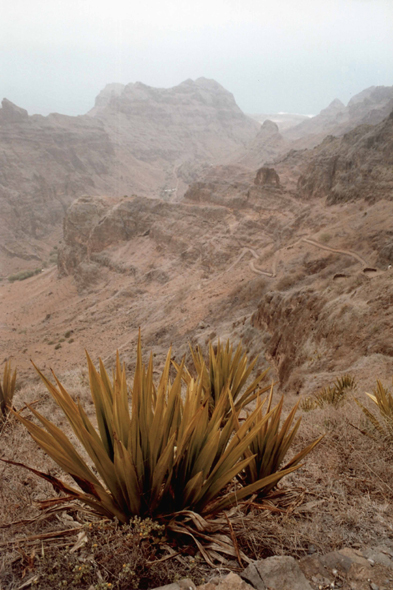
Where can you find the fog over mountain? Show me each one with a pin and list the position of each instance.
(282, 56)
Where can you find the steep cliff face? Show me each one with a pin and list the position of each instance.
(265, 147)
(356, 166)
(135, 140)
(45, 163)
(337, 326)
(196, 119)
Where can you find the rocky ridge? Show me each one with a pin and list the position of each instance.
(370, 106)
(133, 141)
(358, 165)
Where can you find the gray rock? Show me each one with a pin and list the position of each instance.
(230, 582)
(174, 586)
(276, 573)
(378, 555)
(252, 575)
(187, 584)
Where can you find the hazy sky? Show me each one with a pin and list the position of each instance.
(280, 55)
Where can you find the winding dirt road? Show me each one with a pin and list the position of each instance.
(273, 273)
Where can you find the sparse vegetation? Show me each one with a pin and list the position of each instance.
(332, 395)
(383, 399)
(325, 238)
(121, 557)
(7, 390)
(24, 274)
(53, 256)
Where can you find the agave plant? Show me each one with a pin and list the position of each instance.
(332, 395)
(269, 447)
(227, 370)
(7, 389)
(383, 399)
(157, 458)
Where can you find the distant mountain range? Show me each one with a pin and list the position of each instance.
(141, 140)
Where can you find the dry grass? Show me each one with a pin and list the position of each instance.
(347, 487)
(342, 496)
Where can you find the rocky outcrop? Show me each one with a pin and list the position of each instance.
(347, 568)
(196, 119)
(93, 225)
(133, 141)
(10, 113)
(356, 166)
(282, 120)
(226, 186)
(276, 573)
(267, 145)
(267, 177)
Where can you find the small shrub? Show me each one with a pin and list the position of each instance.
(7, 390)
(325, 238)
(383, 399)
(159, 458)
(53, 256)
(24, 274)
(332, 395)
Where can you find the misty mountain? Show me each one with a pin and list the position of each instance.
(132, 141)
(370, 106)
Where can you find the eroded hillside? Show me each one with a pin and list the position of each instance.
(142, 140)
(301, 277)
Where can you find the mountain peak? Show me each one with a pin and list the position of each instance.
(11, 112)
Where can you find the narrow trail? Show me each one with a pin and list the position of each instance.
(273, 273)
(238, 259)
(338, 251)
(177, 179)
